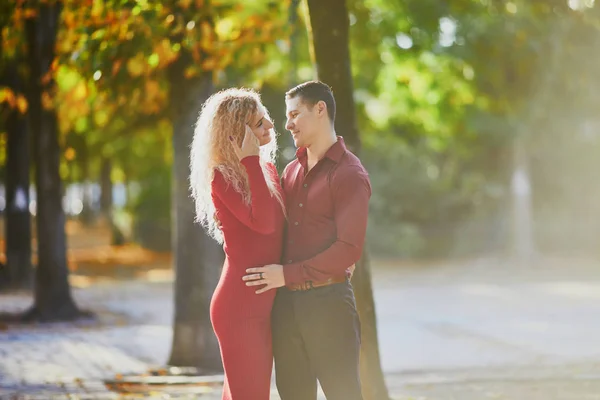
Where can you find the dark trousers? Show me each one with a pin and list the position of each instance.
(316, 336)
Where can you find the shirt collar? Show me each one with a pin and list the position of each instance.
(334, 153)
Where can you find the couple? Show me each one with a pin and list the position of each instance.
(302, 313)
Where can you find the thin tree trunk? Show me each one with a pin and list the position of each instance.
(17, 216)
(293, 21)
(329, 25)
(106, 202)
(198, 258)
(87, 213)
(106, 188)
(522, 233)
(52, 298)
(523, 249)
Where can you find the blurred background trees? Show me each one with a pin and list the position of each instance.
(442, 89)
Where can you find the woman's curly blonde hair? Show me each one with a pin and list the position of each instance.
(224, 114)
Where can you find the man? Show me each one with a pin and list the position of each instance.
(315, 325)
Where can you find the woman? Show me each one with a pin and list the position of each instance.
(239, 202)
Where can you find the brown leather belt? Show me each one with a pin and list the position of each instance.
(312, 285)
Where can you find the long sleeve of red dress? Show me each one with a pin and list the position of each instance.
(253, 235)
(255, 215)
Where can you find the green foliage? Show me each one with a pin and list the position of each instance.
(442, 88)
(152, 209)
(421, 198)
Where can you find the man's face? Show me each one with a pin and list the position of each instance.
(301, 121)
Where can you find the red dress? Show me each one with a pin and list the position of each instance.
(241, 318)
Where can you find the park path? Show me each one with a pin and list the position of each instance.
(469, 330)
(465, 331)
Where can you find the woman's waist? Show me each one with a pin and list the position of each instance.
(233, 290)
(239, 262)
(254, 249)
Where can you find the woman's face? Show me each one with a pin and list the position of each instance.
(261, 126)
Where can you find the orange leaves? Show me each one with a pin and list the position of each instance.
(142, 65)
(165, 53)
(122, 49)
(207, 36)
(70, 154)
(185, 4)
(209, 64)
(191, 71)
(137, 65)
(13, 35)
(80, 92)
(69, 18)
(152, 89)
(155, 97)
(22, 104)
(23, 12)
(47, 101)
(116, 67)
(7, 95)
(227, 29)
(13, 100)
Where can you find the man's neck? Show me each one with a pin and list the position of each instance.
(317, 150)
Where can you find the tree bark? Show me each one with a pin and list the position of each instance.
(17, 217)
(52, 296)
(106, 188)
(522, 246)
(197, 258)
(106, 202)
(87, 213)
(329, 25)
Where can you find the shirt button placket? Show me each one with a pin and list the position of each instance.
(299, 214)
(301, 204)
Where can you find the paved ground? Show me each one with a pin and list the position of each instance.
(476, 330)
(486, 330)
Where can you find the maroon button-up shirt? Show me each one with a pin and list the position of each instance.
(327, 211)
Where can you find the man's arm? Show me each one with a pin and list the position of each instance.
(351, 192)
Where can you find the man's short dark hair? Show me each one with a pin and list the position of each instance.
(312, 92)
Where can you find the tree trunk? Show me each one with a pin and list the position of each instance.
(106, 188)
(523, 249)
(87, 216)
(106, 202)
(293, 21)
(198, 258)
(329, 27)
(52, 298)
(17, 216)
(522, 235)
